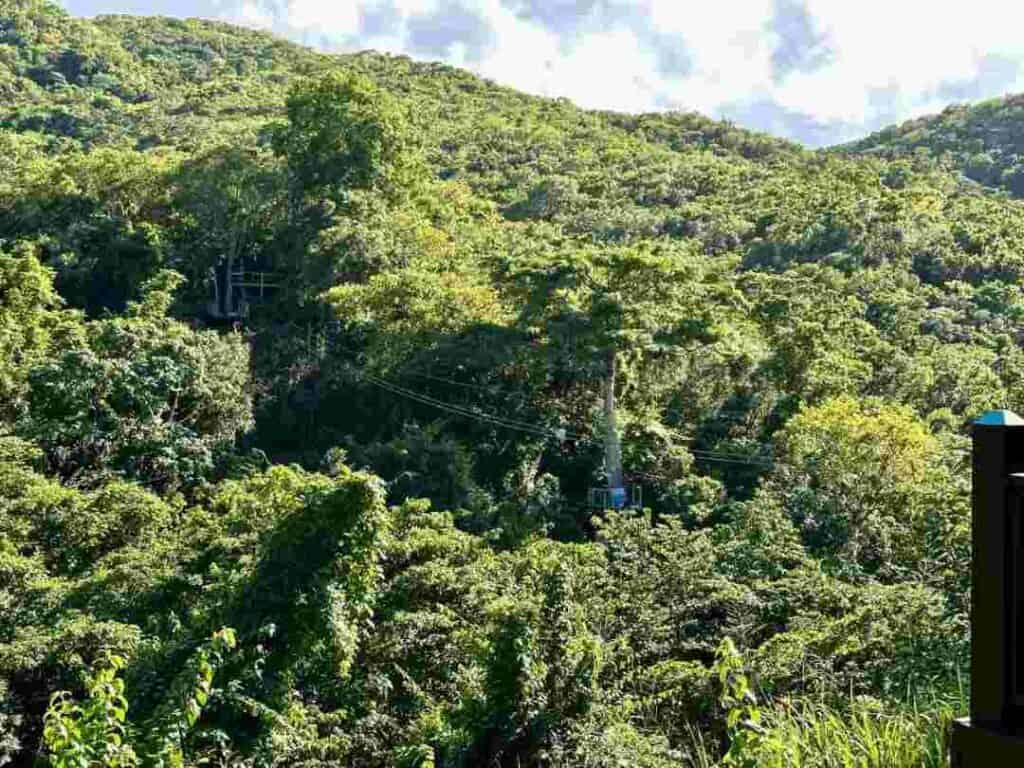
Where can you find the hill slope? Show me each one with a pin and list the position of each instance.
(984, 141)
(441, 278)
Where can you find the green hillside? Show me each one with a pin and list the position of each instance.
(341, 513)
(984, 141)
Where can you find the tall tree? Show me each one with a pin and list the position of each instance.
(344, 139)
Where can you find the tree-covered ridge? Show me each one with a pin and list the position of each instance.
(348, 523)
(983, 141)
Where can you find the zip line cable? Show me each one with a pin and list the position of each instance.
(449, 408)
(508, 423)
(704, 455)
(564, 435)
(482, 387)
(731, 459)
(690, 440)
(686, 439)
(491, 389)
(464, 410)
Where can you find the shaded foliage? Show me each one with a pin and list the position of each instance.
(379, 476)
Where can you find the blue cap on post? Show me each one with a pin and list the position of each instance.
(1000, 419)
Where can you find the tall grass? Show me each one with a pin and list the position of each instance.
(816, 736)
(806, 734)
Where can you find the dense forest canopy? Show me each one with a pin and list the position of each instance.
(984, 141)
(339, 513)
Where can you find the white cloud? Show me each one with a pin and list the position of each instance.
(916, 45)
(883, 60)
(538, 70)
(252, 14)
(328, 16)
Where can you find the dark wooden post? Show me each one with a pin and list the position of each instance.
(993, 735)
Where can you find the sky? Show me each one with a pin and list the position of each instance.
(817, 71)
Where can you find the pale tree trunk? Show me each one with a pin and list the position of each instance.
(612, 448)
